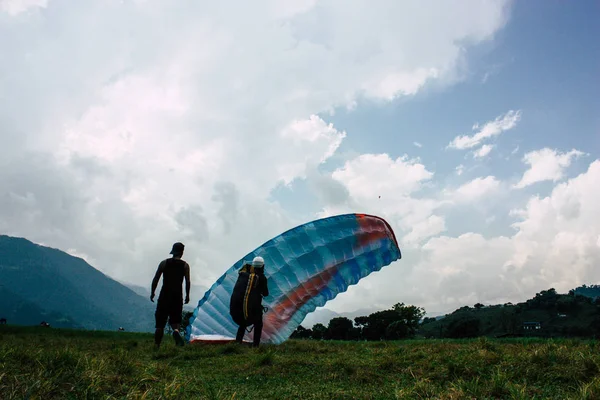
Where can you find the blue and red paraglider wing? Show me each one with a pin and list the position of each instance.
(306, 266)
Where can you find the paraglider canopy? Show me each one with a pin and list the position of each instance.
(306, 266)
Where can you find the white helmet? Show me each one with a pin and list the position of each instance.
(258, 262)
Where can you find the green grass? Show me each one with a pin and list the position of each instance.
(38, 363)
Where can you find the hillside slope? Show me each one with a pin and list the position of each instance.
(548, 314)
(56, 282)
(18, 310)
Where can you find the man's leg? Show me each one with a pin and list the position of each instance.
(258, 326)
(240, 333)
(161, 321)
(177, 335)
(175, 321)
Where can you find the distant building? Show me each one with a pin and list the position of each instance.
(532, 326)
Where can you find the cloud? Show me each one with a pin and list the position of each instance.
(546, 165)
(329, 191)
(371, 175)
(228, 196)
(417, 144)
(483, 151)
(378, 184)
(305, 137)
(431, 226)
(476, 189)
(396, 84)
(132, 125)
(460, 169)
(488, 130)
(15, 7)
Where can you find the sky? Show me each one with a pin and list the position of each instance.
(471, 127)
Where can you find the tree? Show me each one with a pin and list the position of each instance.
(410, 315)
(396, 330)
(566, 304)
(478, 306)
(463, 328)
(405, 320)
(301, 333)
(508, 321)
(339, 328)
(319, 331)
(377, 323)
(361, 323)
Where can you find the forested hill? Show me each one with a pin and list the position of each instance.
(592, 291)
(548, 314)
(38, 282)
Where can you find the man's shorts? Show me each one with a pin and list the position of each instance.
(168, 310)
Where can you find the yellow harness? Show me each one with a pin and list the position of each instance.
(252, 281)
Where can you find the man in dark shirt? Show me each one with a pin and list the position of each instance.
(170, 299)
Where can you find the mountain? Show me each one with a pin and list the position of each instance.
(139, 290)
(319, 316)
(17, 309)
(41, 283)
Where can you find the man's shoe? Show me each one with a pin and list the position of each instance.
(178, 339)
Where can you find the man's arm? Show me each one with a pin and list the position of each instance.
(159, 272)
(265, 286)
(187, 283)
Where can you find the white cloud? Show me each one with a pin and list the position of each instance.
(371, 175)
(131, 125)
(304, 138)
(483, 151)
(15, 7)
(490, 129)
(460, 169)
(378, 184)
(287, 9)
(431, 226)
(417, 144)
(392, 85)
(476, 189)
(546, 165)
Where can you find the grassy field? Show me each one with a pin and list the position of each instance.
(38, 363)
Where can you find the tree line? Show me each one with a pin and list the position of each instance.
(399, 322)
(547, 314)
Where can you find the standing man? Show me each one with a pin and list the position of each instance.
(170, 300)
(245, 306)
